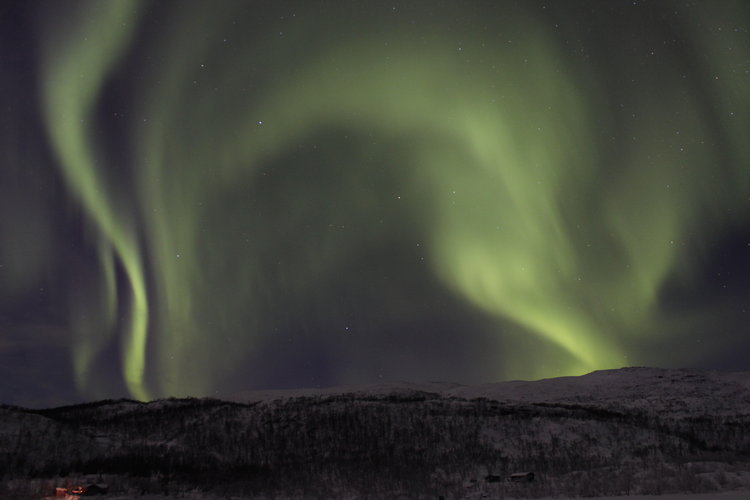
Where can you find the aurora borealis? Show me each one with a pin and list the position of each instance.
(204, 197)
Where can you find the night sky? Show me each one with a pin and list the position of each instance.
(199, 198)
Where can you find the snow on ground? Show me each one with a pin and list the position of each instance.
(733, 495)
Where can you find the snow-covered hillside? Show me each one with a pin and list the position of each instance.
(617, 432)
(680, 392)
(691, 391)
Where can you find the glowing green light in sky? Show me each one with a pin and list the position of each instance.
(75, 70)
(541, 207)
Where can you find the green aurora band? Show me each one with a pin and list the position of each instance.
(541, 207)
(74, 75)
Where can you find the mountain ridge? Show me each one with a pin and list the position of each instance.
(628, 383)
(611, 432)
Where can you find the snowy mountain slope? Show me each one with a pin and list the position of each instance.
(636, 430)
(688, 392)
(684, 391)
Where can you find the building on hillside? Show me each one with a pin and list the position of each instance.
(90, 490)
(521, 477)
